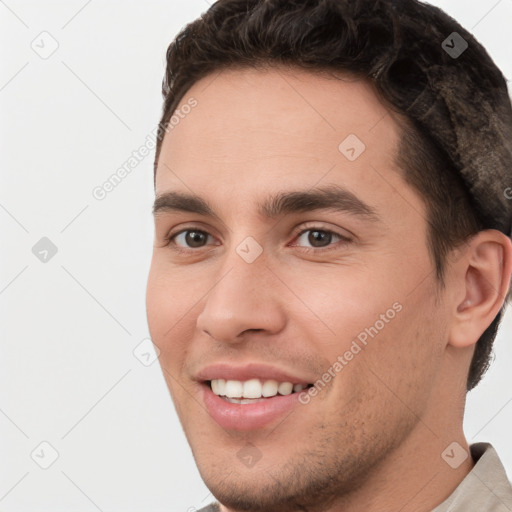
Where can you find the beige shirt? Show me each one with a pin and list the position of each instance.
(485, 488)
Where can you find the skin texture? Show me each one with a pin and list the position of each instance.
(372, 439)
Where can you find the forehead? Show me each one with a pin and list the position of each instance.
(274, 98)
(255, 130)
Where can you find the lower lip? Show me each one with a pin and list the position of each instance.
(247, 416)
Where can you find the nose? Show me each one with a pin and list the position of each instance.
(246, 298)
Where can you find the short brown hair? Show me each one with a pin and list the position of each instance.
(397, 46)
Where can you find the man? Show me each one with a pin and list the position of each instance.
(332, 253)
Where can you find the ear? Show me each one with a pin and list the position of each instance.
(482, 279)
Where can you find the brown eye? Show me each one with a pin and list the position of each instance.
(318, 238)
(190, 238)
(195, 238)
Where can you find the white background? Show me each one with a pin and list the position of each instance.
(69, 326)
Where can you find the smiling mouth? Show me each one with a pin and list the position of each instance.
(253, 390)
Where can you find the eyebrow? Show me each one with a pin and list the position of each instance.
(329, 198)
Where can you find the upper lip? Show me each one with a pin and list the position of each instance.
(229, 371)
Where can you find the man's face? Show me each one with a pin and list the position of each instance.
(245, 295)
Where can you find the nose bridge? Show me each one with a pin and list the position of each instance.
(243, 296)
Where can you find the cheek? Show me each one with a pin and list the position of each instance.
(167, 305)
(375, 315)
(403, 359)
(341, 304)
(170, 294)
(159, 303)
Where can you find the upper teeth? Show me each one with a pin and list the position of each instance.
(254, 388)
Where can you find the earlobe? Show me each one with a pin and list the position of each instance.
(485, 271)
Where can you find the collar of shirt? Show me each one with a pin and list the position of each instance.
(485, 488)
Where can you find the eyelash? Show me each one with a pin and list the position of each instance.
(169, 240)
